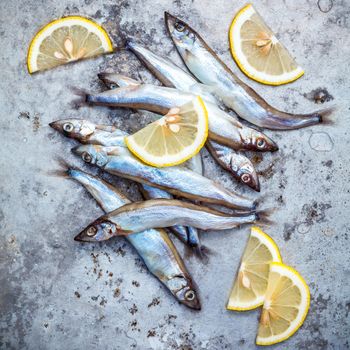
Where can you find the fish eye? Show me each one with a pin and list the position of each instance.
(113, 86)
(91, 231)
(180, 27)
(68, 127)
(189, 295)
(86, 157)
(261, 143)
(245, 178)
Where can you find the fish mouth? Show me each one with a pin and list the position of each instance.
(76, 150)
(254, 184)
(57, 125)
(82, 237)
(103, 76)
(274, 147)
(129, 44)
(195, 305)
(169, 21)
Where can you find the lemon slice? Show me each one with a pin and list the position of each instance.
(286, 304)
(258, 52)
(66, 40)
(174, 138)
(249, 288)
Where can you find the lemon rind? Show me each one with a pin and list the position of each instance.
(300, 279)
(266, 239)
(132, 147)
(36, 39)
(259, 233)
(242, 66)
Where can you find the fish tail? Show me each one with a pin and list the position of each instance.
(203, 252)
(59, 173)
(81, 94)
(325, 115)
(65, 170)
(263, 216)
(322, 115)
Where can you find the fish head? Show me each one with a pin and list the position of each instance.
(257, 141)
(181, 33)
(92, 154)
(247, 174)
(100, 230)
(183, 289)
(115, 80)
(78, 129)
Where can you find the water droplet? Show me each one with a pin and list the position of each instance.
(303, 228)
(321, 142)
(25, 139)
(325, 5)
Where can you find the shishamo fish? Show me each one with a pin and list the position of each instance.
(137, 216)
(237, 164)
(222, 127)
(176, 180)
(187, 235)
(153, 245)
(87, 132)
(207, 67)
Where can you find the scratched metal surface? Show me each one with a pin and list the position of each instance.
(58, 294)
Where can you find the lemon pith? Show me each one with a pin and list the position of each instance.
(174, 138)
(285, 307)
(250, 284)
(96, 32)
(260, 55)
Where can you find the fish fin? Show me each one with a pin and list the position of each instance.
(113, 152)
(109, 128)
(124, 232)
(263, 216)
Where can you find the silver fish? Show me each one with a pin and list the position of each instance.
(237, 164)
(115, 80)
(207, 67)
(154, 246)
(183, 233)
(176, 180)
(222, 127)
(196, 164)
(87, 132)
(135, 217)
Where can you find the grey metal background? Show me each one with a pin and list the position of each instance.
(58, 294)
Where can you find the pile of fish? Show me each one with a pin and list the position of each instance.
(175, 196)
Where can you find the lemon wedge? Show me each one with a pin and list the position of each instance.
(174, 138)
(257, 51)
(286, 305)
(66, 40)
(249, 288)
